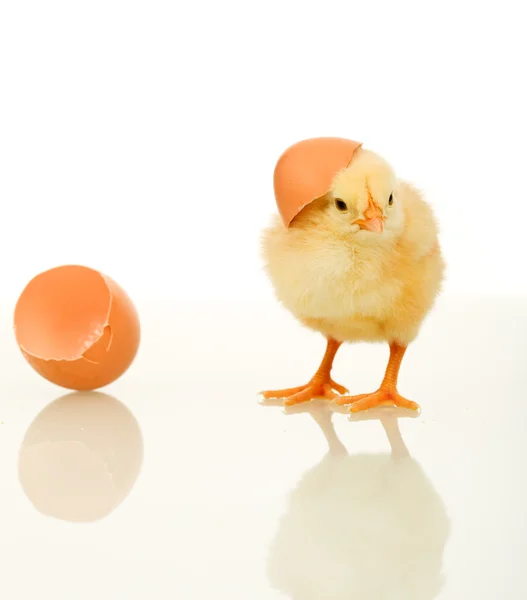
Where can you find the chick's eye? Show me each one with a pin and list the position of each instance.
(390, 200)
(341, 205)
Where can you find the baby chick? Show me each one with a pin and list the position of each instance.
(362, 263)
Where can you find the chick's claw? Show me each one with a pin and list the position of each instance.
(382, 397)
(305, 393)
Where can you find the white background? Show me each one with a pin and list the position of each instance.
(139, 138)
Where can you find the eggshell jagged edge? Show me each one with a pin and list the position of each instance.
(89, 345)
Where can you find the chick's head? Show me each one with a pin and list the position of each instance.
(362, 202)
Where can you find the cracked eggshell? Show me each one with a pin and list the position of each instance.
(305, 171)
(76, 327)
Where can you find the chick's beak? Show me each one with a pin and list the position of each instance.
(374, 220)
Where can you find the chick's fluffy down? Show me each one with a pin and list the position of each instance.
(358, 285)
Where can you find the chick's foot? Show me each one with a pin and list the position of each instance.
(382, 397)
(316, 389)
(387, 394)
(321, 385)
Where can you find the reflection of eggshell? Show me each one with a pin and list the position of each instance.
(306, 170)
(80, 457)
(76, 327)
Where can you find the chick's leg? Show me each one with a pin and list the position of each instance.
(387, 394)
(320, 386)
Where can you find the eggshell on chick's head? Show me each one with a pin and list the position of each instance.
(305, 171)
(76, 327)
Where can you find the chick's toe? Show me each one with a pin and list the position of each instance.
(315, 389)
(321, 385)
(382, 397)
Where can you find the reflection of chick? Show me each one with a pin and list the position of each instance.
(362, 263)
(368, 527)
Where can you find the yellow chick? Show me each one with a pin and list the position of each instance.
(362, 263)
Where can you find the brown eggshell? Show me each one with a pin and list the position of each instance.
(76, 327)
(305, 171)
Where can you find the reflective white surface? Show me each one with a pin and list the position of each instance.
(175, 482)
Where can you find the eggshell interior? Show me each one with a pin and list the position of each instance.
(76, 327)
(305, 172)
